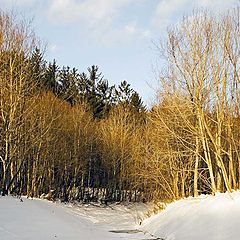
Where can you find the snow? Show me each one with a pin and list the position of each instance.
(205, 217)
(43, 220)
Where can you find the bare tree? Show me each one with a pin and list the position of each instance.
(17, 43)
(202, 54)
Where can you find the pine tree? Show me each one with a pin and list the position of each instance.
(37, 67)
(125, 95)
(95, 91)
(68, 85)
(50, 78)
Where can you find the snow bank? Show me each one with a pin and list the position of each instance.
(205, 217)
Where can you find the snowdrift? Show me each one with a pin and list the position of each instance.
(202, 218)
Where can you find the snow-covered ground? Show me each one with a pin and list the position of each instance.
(33, 219)
(203, 218)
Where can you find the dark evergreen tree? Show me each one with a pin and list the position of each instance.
(136, 103)
(95, 91)
(50, 78)
(125, 95)
(37, 66)
(67, 85)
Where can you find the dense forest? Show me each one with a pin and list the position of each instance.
(69, 135)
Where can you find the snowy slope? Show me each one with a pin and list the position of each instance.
(203, 218)
(44, 220)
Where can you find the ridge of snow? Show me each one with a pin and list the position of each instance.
(204, 217)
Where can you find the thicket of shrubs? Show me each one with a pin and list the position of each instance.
(72, 136)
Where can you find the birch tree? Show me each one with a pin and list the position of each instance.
(203, 63)
(17, 43)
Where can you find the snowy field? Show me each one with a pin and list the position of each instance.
(203, 218)
(43, 220)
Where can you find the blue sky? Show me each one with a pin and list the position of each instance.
(116, 35)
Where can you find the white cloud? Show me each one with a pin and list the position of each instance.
(53, 48)
(99, 16)
(92, 12)
(12, 3)
(127, 34)
(132, 30)
(216, 4)
(168, 10)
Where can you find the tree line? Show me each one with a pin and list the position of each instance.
(72, 136)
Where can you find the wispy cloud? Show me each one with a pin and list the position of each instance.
(92, 12)
(53, 48)
(99, 17)
(167, 11)
(217, 4)
(22, 3)
(127, 34)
